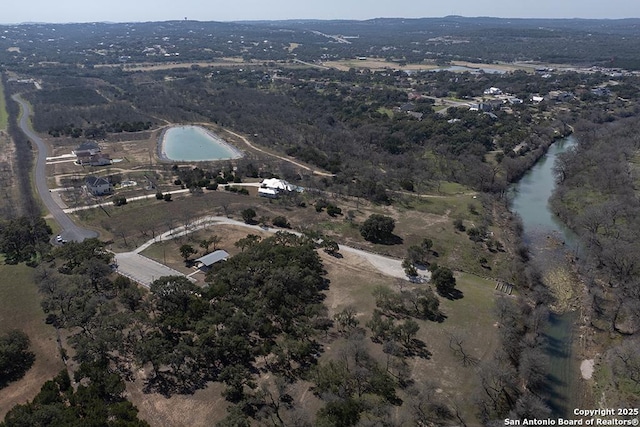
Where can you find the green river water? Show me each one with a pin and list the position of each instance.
(529, 199)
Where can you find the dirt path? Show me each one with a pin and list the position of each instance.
(134, 265)
(286, 159)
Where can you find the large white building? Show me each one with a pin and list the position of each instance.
(277, 184)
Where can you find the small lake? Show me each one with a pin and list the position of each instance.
(195, 144)
(549, 241)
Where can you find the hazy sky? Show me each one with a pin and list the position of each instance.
(229, 10)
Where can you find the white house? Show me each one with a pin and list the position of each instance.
(493, 91)
(98, 186)
(277, 184)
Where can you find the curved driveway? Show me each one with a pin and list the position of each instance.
(143, 270)
(70, 231)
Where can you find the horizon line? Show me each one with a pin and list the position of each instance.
(310, 19)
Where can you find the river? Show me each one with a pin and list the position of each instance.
(549, 242)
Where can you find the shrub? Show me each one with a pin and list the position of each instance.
(167, 197)
(159, 195)
(333, 210)
(281, 222)
(248, 215)
(120, 200)
(212, 186)
(377, 228)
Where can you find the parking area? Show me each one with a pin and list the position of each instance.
(142, 269)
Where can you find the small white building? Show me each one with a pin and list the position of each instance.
(268, 192)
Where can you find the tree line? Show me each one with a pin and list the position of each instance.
(596, 197)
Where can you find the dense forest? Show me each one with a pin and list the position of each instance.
(609, 43)
(597, 198)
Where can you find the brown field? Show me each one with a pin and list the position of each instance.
(379, 64)
(20, 309)
(150, 66)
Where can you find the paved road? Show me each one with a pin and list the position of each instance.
(70, 231)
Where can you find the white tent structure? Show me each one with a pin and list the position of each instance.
(277, 184)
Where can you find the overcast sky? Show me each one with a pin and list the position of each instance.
(230, 10)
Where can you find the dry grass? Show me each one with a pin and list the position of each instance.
(202, 408)
(168, 252)
(20, 309)
(378, 64)
(471, 318)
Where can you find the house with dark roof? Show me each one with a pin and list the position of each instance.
(98, 186)
(86, 148)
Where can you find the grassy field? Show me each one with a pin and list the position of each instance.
(429, 216)
(4, 116)
(471, 318)
(20, 309)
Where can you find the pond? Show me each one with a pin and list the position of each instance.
(195, 144)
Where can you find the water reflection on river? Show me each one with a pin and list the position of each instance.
(550, 244)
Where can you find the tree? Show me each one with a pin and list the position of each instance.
(281, 221)
(409, 268)
(213, 240)
(248, 215)
(378, 228)
(407, 331)
(333, 210)
(416, 254)
(330, 246)
(167, 197)
(98, 401)
(119, 201)
(426, 244)
(443, 278)
(346, 319)
(15, 357)
(248, 242)
(21, 239)
(186, 251)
